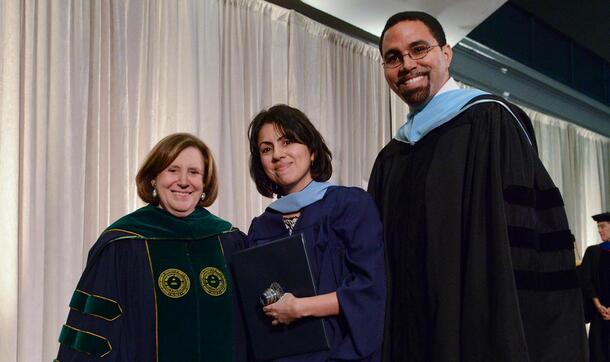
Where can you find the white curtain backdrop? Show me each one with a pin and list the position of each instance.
(88, 87)
(339, 82)
(10, 27)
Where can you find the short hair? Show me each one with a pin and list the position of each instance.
(163, 154)
(294, 124)
(436, 29)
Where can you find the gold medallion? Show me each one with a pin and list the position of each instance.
(174, 283)
(213, 281)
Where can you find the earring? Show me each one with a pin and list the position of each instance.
(202, 196)
(154, 193)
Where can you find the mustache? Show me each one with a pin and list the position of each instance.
(402, 79)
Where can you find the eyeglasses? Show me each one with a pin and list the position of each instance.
(393, 60)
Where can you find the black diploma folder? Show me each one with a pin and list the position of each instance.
(283, 261)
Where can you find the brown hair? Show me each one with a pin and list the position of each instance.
(294, 124)
(163, 154)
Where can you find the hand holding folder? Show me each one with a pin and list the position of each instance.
(285, 262)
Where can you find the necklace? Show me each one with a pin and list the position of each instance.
(289, 222)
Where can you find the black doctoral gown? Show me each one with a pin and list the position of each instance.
(595, 273)
(479, 253)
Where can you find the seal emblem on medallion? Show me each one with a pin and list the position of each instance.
(174, 283)
(213, 281)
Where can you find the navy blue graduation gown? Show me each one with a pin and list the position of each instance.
(344, 243)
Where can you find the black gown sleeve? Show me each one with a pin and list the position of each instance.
(587, 274)
(526, 223)
(587, 277)
(514, 292)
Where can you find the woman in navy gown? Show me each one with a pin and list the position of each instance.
(342, 230)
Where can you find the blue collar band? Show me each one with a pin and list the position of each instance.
(294, 202)
(441, 109)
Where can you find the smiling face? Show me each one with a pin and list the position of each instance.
(603, 228)
(180, 184)
(415, 81)
(286, 162)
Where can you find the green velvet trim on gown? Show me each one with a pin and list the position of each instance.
(193, 289)
(95, 305)
(84, 341)
(194, 300)
(153, 222)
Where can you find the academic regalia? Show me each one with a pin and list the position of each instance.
(480, 256)
(343, 241)
(157, 288)
(604, 216)
(595, 272)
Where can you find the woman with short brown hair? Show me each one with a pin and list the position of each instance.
(156, 286)
(163, 154)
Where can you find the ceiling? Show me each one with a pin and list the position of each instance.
(458, 17)
(587, 22)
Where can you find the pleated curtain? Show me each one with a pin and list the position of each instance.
(88, 87)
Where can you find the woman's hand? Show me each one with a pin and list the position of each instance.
(284, 311)
(290, 308)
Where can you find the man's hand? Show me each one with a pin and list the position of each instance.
(604, 312)
(601, 309)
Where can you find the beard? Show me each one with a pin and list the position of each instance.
(416, 97)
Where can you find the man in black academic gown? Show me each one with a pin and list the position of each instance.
(480, 256)
(595, 273)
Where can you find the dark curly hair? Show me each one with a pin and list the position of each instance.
(294, 124)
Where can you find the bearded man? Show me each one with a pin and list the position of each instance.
(479, 253)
